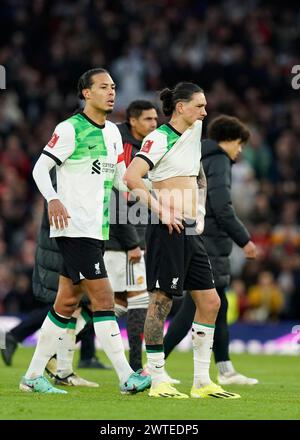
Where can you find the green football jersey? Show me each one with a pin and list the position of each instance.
(88, 156)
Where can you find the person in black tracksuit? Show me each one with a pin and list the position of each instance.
(222, 227)
(124, 252)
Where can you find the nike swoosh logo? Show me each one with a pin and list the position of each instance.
(91, 147)
(60, 339)
(116, 334)
(160, 366)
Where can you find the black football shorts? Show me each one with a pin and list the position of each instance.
(176, 262)
(82, 258)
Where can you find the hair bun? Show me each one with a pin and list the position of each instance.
(166, 96)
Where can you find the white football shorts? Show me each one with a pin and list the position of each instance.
(123, 274)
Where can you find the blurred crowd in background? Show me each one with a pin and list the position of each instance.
(240, 53)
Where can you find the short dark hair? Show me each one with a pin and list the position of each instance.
(183, 91)
(136, 108)
(227, 128)
(86, 80)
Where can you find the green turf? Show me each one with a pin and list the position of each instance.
(276, 397)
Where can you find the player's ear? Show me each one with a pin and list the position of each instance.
(179, 107)
(86, 93)
(132, 122)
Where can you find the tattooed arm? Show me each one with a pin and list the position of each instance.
(202, 184)
(202, 193)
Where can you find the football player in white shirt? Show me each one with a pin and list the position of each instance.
(88, 154)
(176, 257)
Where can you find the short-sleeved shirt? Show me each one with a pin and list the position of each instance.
(170, 153)
(88, 157)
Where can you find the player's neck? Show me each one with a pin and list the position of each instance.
(96, 116)
(178, 124)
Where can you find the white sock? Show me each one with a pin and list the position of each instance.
(108, 332)
(54, 327)
(156, 363)
(120, 310)
(203, 338)
(65, 350)
(225, 367)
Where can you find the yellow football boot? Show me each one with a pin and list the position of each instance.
(166, 390)
(213, 390)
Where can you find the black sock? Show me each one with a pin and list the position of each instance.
(31, 324)
(87, 338)
(135, 330)
(221, 337)
(180, 324)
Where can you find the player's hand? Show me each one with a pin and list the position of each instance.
(134, 255)
(172, 219)
(250, 250)
(58, 214)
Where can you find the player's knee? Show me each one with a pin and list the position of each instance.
(212, 303)
(160, 297)
(101, 297)
(71, 307)
(66, 308)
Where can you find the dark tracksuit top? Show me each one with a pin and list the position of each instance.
(124, 237)
(222, 226)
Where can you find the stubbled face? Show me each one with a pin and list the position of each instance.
(101, 95)
(194, 109)
(144, 124)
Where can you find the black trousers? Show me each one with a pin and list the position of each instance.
(182, 322)
(30, 324)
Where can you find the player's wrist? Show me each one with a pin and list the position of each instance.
(51, 198)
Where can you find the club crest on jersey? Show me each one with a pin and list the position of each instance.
(53, 140)
(147, 145)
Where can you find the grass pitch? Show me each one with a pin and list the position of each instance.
(276, 397)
